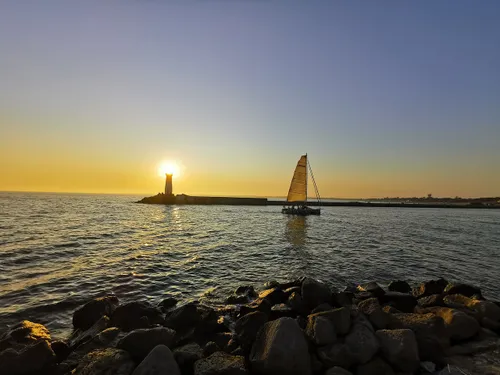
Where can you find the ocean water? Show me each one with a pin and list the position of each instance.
(57, 251)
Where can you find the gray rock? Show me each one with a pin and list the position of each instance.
(141, 341)
(377, 366)
(315, 293)
(460, 325)
(247, 327)
(221, 363)
(32, 359)
(280, 347)
(160, 361)
(321, 330)
(186, 356)
(341, 319)
(362, 342)
(87, 315)
(399, 347)
(399, 286)
(109, 361)
(336, 355)
(337, 371)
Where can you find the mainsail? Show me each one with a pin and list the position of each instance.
(298, 186)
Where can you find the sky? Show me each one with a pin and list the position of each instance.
(388, 98)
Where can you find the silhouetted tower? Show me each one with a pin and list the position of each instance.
(168, 184)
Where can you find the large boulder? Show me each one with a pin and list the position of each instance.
(320, 330)
(430, 287)
(87, 315)
(343, 299)
(168, 303)
(336, 370)
(141, 341)
(431, 301)
(23, 334)
(399, 286)
(221, 363)
(315, 293)
(372, 309)
(273, 296)
(105, 362)
(341, 319)
(262, 305)
(400, 348)
(376, 366)
(296, 304)
(372, 288)
(131, 316)
(481, 308)
(402, 301)
(80, 336)
(336, 355)
(247, 327)
(460, 325)
(159, 361)
(282, 310)
(280, 348)
(362, 342)
(33, 359)
(187, 355)
(183, 318)
(463, 289)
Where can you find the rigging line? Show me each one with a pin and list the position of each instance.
(318, 197)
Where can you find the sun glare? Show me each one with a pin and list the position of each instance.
(168, 167)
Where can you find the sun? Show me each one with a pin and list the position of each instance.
(168, 167)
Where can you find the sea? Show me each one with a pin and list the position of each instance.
(58, 251)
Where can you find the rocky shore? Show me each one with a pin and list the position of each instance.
(297, 327)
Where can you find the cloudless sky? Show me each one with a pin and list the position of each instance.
(388, 98)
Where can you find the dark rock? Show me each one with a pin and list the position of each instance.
(238, 351)
(373, 288)
(247, 327)
(232, 345)
(128, 316)
(400, 348)
(431, 301)
(186, 356)
(282, 311)
(322, 307)
(33, 359)
(341, 319)
(482, 309)
(258, 305)
(430, 287)
(460, 326)
(236, 300)
(168, 303)
(210, 348)
(377, 366)
(92, 311)
(220, 338)
(491, 324)
(336, 355)
(373, 311)
(61, 350)
(141, 341)
(391, 310)
(320, 330)
(105, 362)
(315, 293)
(221, 363)
(159, 361)
(23, 334)
(296, 304)
(401, 301)
(301, 321)
(337, 371)
(343, 299)
(246, 290)
(291, 284)
(293, 289)
(208, 321)
(463, 289)
(280, 348)
(271, 284)
(362, 342)
(274, 296)
(78, 336)
(399, 286)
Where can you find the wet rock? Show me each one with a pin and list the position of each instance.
(221, 363)
(343, 299)
(105, 362)
(362, 342)
(320, 330)
(141, 341)
(280, 347)
(258, 305)
(293, 289)
(61, 350)
(168, 303)
(236, 300)
(401, 301)
(79, 336)
(399, 286)
(33, 359)
(431, 301)
(87, 315)
(23, 334)
(337, 371)
(399, 347)
(372, 287)
(463, 289)
(274, 296)
(336, 355)
(315, 293)
(341, 319)
(377, 317)
(159, 361)
(186, 356)
(296, 304)
(377, 366)
(460, 325)
(430, 287)
(128, 316)
(247, 327)
(282, 311)
(271, 284)
(210, 348)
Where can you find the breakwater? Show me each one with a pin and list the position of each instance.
(234, 201)
(301, 327)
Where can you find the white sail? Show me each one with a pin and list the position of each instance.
(298, 186)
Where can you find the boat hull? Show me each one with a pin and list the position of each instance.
(301, 211)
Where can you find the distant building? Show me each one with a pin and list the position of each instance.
(168, 184)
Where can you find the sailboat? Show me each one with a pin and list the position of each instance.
(296, 201)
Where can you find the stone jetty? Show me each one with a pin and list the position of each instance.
(301, 327)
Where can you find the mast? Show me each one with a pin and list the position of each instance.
(307, 163)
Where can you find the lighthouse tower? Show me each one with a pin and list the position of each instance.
(168, 184)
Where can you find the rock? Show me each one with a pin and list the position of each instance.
(292, 284)
(315, 293)
(186, 356)
(273, 296)
(400, 348)
(336, 355)
(61, 350)
(401, 301)
(371, 308)
(236, 300)
(460, 325)
(141, 341)
(362, 342)
(33, 359)
(373, 288)
(321, 330)
(399, 286)
(341, 319)
(337, 371)
(457, 301)
(491, 324)
(245, 290)
(231, 346)
(391, 310)
(23, 334)
(482, 309)
(210, 348)
(282, 311)
(296, 304)
(430, 287)
(377, 366)
(258, 305)
(463, 289)
(431, 301)
(271, 284)
(280, 348)
(167, 303)
(322, 307)
(128, 316)
(293, 289)
(159, 361)
(221, 363)
(428, 366)
(79, 336)
(343, 299)
(247, 327)
(105, 362)
(87, 315)
(475, 346)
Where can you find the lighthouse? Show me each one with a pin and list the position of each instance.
(168, 184)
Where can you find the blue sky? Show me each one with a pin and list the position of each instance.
(387, 97)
